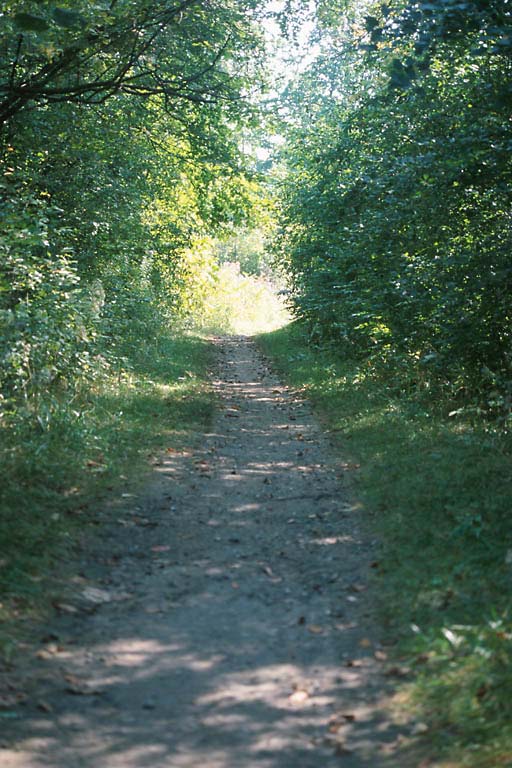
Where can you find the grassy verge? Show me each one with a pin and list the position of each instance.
(54, 479)
(438, 493)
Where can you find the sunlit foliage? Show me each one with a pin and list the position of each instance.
(119, 151)
(395, 220)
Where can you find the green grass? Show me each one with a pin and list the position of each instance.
(54, 481)
(437, 491)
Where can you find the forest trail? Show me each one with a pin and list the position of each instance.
(223, 620)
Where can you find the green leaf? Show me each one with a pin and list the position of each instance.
(30, 23)
(67, 19)
(371, 23)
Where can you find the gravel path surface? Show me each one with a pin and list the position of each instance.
(223, 621)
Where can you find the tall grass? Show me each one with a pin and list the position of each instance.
(54, 479)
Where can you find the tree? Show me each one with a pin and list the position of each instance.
(86, 53)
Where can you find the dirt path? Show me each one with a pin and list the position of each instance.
(222, 622)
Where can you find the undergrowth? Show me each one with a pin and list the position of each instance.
(54, 478)
(70, 445)
(437, 492)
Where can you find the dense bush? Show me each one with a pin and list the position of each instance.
(395, 222)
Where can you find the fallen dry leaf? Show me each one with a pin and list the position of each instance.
(298, 697)
(96, 595)
(65, 608)
(92, 463)
(267, 570)
(51, 649)
(398, 671)
(78, 687)
(340, 719)
(143, 522)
